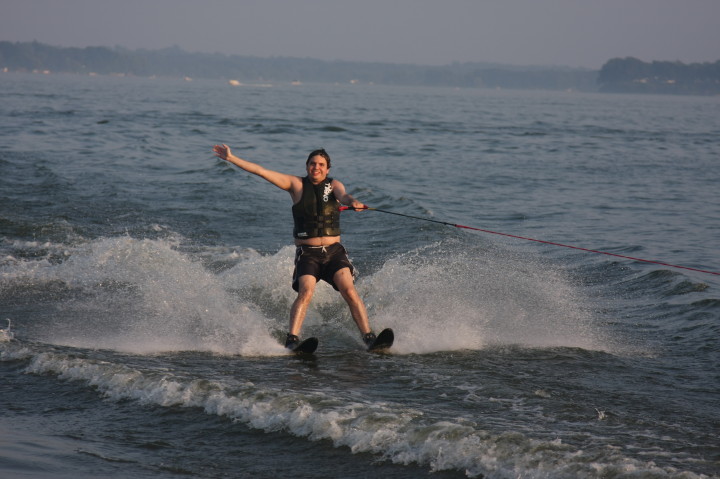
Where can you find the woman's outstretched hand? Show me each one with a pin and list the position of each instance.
(222, 151)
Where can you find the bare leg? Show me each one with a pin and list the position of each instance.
(306, 289)
(344, 281)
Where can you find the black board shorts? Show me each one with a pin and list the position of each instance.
(322, 262)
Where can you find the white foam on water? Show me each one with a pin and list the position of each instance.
(143, 296)
(391, 431)
(443, 297)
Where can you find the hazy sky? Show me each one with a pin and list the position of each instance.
(582, 33)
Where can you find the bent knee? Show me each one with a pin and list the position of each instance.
(349, 293)
(306, 294)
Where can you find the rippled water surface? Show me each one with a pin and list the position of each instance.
(148, 283)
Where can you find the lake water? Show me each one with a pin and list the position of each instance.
(148, 283)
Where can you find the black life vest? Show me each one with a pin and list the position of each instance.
(318, 211)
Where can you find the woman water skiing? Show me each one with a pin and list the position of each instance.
(319, 254)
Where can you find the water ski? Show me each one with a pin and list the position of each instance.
(308, 346)
(383, 341)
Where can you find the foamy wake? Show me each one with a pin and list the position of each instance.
(140, 296)
(451, 296)
(392, 431)
(146, 296)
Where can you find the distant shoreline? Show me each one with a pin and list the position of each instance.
(627, 75)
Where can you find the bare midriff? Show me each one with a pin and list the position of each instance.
(319, 241)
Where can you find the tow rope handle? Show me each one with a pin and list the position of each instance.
(365, 207)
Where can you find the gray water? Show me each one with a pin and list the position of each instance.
(148, 283)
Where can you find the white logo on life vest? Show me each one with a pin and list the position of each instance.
(326, 193)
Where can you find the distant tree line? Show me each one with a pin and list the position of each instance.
(174, 62)
(630, 75)
(617, 75)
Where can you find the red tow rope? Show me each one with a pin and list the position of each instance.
(343, 208)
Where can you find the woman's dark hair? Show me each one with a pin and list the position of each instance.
(320, 152)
